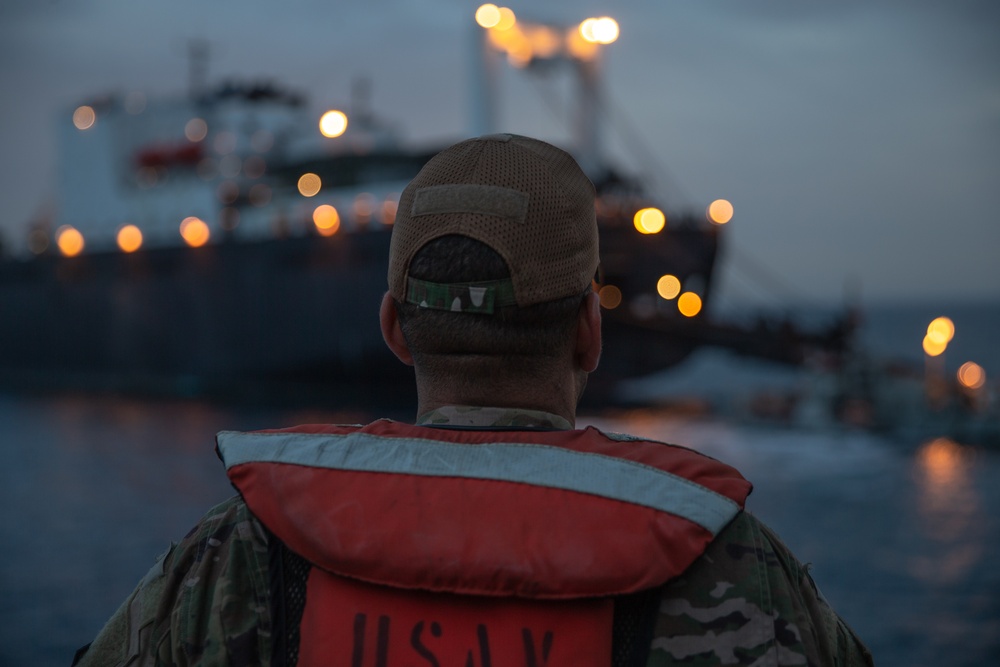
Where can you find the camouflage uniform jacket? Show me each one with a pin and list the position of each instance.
(746, 601)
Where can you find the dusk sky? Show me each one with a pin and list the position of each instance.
(859, 140)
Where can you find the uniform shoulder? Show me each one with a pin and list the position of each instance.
(205, 600)
(748, 597)
(229, 523)
(217, 587)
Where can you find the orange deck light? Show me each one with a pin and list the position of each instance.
(971, 375)
(333, 123)
(941, 329)
(689, 304)
(69, 240)
(934, 347)
(668, 286)
(720, 211)
(129, 238)
(309, 185)
(488, 15)
(610, 296)
(649, 220)
(84, 117)
(327, 219)
(195, 232)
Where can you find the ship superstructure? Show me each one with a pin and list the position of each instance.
(239, 162)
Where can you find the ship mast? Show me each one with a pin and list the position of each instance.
(484, 75)
(590, 110)
(197, 68)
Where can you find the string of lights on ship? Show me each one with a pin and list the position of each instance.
(326, 218)
(194, 231)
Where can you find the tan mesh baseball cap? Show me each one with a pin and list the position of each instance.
(526, 199)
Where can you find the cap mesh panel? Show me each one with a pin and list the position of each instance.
(552, 254)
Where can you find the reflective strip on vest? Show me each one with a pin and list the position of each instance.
(538, 465)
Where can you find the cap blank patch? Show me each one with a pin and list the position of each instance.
(476, 199)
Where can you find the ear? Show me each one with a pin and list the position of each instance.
(391, 332)
(588, 333)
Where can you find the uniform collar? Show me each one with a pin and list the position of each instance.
(459, 416)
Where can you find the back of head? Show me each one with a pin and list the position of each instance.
(493, 248)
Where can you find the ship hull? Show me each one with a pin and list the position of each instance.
(294, 317)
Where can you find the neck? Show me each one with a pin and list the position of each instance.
(556, 393)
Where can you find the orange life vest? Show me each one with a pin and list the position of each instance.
(476, 547)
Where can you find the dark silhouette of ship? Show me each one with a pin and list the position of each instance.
(257, 263)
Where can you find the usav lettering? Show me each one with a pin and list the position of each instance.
(428, 640)
(367, 625)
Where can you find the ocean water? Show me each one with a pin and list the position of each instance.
(903, 532)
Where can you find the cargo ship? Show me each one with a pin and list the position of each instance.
(223, 243)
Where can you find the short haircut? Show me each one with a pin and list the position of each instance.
(512, 335)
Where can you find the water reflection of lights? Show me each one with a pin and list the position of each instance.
(941, 461)
(949, 507)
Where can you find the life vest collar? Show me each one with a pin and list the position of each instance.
(547, 515)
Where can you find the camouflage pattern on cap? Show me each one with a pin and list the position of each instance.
(485, 297)
(526, 199)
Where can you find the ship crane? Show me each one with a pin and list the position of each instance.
(499, 35)
(533, 45)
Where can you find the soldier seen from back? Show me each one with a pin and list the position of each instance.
(492, 532)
